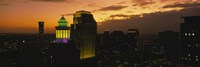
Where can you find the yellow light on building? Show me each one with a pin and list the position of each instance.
(56, 34)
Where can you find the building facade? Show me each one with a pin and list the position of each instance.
(83, 31)
(190, 40)
(170, 41)
(41, 27)
(62, 31)
(133, 37)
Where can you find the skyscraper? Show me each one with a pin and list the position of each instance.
(62, 31)
(133, 37)
(84, 30)
(170, 41)
(190, 40)
(41, 27)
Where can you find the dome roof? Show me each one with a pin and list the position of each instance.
(62, 18)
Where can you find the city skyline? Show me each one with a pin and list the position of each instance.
(149, 16)
(79, 45)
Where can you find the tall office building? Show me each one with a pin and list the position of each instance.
(41, 27)
(62, 31)
(170, 41)
(84, 30)
(62, 55)
(133, 37)
(190, 40)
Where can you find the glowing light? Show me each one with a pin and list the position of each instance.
(62, 30)
(197, 59)
(192, 34)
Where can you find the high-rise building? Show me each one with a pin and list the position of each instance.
(170, 41)
(41, 27)
(62, 31)
(84, 31)
(62, 55)
(190, 40)
(133, 37)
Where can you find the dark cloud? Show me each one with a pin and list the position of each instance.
(122, 2)
(70, 14)
(3, 4)
(92, 5)
(113, 7)
(187, 5)
(142, 2)
(150, 23)
(51, 0)
(119, 15)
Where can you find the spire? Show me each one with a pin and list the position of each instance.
(62, 18)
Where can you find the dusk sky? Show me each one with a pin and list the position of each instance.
(149, 16)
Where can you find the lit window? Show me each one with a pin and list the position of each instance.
(185, 58)
(185, 34)
(197, 59)
(189, 59)
(188, 54)
(23, 41)
(182, 58)
(61, 33)
(192, 34)
(189, 34)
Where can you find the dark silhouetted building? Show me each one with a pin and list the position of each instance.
(190, 40)
(84, 32)
(41, 27)
(63, 55)
(29, 54)
(150, 49)
(62, 31)
(117, 38)
(133, 38)
(170, 41)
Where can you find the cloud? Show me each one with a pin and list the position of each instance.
(3, 4)
(119, 15)
(187, 5)
(70, 14)
(92, 5)
(113, 7)
(150, 23)
(142, 2)
(51, 0)
(122, 2)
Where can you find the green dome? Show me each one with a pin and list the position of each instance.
(62, 21)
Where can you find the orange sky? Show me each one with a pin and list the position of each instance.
(21, 16)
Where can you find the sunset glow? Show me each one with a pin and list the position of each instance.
(16, 15)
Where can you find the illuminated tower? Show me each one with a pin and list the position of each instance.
(84, 30)
(62, 31)
(41, 27)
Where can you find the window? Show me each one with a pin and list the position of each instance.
(189, 59)
(189, 34)
(185, 58)
(197, 59)
(192, 34)
(189, 55)
(185, 34)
